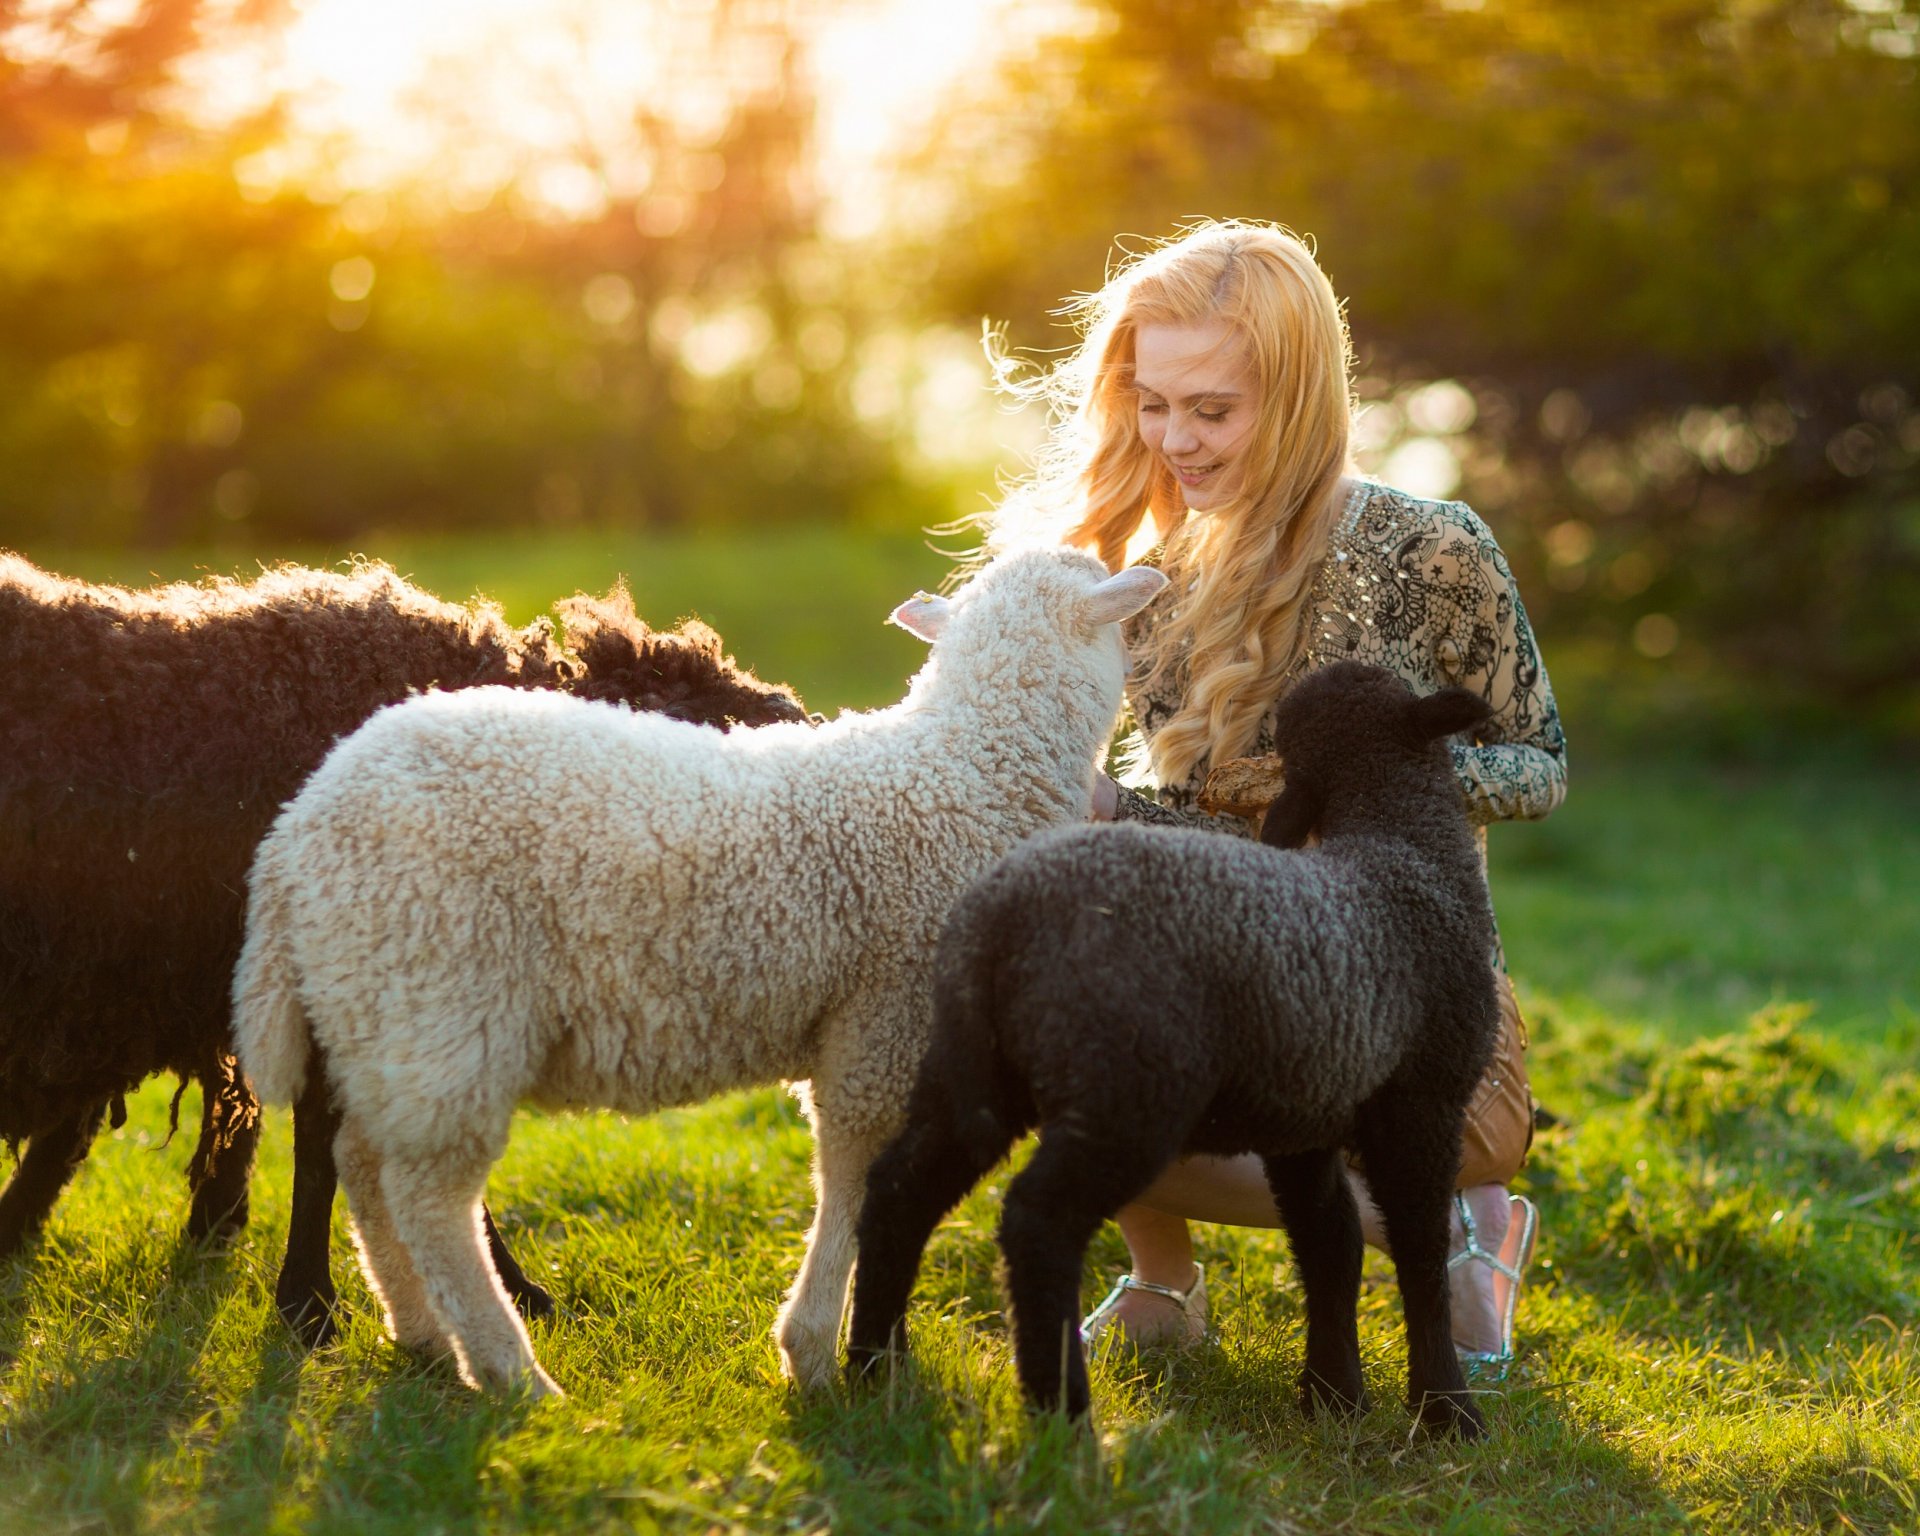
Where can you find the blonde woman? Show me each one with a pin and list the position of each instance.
(1207, 412)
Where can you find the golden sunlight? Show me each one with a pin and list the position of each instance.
(466, 95)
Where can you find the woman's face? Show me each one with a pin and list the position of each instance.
(1198, 404)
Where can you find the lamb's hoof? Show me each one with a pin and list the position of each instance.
(866, 1365)
(1319, 1394)
(217, 1227)
(312, 1319)
(1075, 1405)
(536, 1385)
(1449, 1413)
(15, 1236)
(533, 1302)
(805, 1363)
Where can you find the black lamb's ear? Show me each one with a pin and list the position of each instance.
(1444, 713)
(1294, 814)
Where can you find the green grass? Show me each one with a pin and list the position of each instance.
(1720, 1334)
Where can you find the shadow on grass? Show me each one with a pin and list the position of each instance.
(105, 1429)
(1212, 1440)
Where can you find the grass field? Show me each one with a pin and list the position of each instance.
(1720, 1335)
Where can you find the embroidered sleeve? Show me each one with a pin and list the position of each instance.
(1135, 806)
(1517, 771)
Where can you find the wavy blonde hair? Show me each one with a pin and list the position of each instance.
(1241, 575)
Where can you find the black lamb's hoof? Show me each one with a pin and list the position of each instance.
(312, 1319)
(533, 1302)
(1318, 1395)
(1449, 1413)
(16, 1235)
(864, 1360)
(208, 1224)
(1075, 1405)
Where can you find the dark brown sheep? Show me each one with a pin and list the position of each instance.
(147, 740)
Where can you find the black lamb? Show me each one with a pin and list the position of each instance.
(1140, 994)
(147, 740)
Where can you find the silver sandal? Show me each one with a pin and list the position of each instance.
(1103, 1320)
(1488, 1366)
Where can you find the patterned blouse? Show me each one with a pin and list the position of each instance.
(1419, 587)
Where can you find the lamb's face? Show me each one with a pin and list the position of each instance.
(1042, 623)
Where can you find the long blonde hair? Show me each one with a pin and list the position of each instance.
(1241, 576)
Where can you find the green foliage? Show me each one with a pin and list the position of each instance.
(1688, 318)
(191, 364)
(192, 355)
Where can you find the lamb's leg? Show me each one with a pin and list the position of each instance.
(305, 1294)
(921, 1176)
(436, 1210)
(807, 1329)
(1412, 1150)
(219, 1175)
(1316, 1207)
(530, 1299)
(1052, 1210)
(384, 1258)
(52, 1157)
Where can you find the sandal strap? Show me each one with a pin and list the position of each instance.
(1471, 1249)
(1181, 1299)
(1124, 1283)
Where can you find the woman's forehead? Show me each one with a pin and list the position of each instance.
(1179, 361)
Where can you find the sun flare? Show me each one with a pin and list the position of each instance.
(466, 95)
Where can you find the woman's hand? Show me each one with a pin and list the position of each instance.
(1106, 797)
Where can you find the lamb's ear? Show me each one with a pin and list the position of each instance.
(1446, 712)
(924, 615)
(1121, 597)
(1293, 816)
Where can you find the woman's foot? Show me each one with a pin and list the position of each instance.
(1493, 1236)
(1145, 1313)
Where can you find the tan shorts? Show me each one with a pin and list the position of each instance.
(1499, 1126)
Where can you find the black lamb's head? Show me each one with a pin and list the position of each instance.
(1356, 734)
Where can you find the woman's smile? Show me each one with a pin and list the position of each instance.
(1198, 403)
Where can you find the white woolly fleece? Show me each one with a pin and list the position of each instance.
(493, 896)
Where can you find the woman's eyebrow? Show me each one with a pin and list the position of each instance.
(1197, 395)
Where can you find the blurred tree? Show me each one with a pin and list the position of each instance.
(70, 66)
(1673, 247)
(189, 351)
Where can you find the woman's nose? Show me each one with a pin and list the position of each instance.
(1180, 437)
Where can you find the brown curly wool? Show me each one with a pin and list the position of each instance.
(147, 739)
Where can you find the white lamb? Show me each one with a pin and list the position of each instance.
(494, 896)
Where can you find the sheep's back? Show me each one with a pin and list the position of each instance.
(1252, 975)
(146, 741)
(623, 882)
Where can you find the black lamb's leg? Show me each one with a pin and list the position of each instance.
(1074, 1182)
(52, 1157)
(532, 1301)
(923, 1174)
(1316, 1207)
(304, 1294)
(1412, 1147)
(221, 1172)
